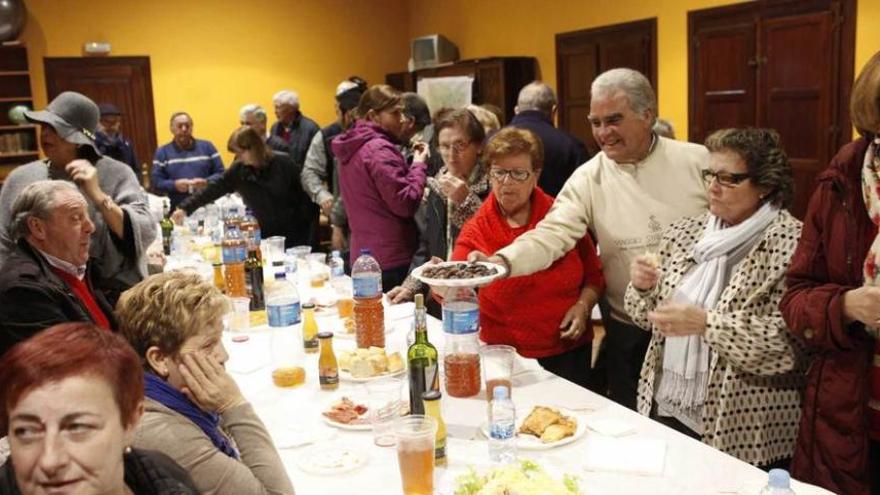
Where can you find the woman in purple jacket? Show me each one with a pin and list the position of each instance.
(380, 191)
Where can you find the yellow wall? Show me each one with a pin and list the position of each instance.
(528, 28)
(211, 57)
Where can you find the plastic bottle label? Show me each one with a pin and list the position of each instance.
(457, 321)
(234, 254)
(502, 430)
(283, 315)
(366, 286)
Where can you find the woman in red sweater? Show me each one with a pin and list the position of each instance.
(545, 315)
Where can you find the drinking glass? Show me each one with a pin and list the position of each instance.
(415, 453)
(497, 367)
(383, 400)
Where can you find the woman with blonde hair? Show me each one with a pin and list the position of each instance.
(194, 411)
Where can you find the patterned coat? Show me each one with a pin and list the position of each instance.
(756, 367)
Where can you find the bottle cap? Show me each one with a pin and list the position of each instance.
(308, 306)
(280, 276)
(779, 478)
(501, 392)
(325, 335)
(365, 251)
(420, 301)
(217, 263)
(335, 253)
(431, 395)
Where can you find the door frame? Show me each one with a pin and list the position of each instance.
(648, 24)
(142, 63)
(845, 44)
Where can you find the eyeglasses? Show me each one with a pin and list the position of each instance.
(726, 179)
(499, 174)
(456, 147)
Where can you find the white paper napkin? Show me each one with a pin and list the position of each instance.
(643, 456)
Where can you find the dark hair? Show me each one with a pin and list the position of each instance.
(247, 138)
(378, 98)
(765, 159)
(464, 120)
(510, 141)
(67, 350)
(361, 83)
(415, 107)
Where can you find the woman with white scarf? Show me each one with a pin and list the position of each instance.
(722, 366)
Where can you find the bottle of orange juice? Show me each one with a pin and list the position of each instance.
(328, 369)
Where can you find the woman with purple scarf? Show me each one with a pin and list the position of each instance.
(194, 411)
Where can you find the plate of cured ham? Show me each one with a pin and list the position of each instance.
(347, 413)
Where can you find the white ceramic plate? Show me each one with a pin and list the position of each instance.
(531, 442)
(332, 459)
(345, 375)
(459, 282)
(348, 426)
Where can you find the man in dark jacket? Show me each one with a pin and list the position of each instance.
(111, 142)
(563, 153)
(46, 280)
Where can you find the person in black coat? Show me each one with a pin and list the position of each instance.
(268, 182)
(46, 279)
(563, 153)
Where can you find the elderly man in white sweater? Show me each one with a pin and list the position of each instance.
(625, 196)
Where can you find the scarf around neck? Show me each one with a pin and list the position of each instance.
(686, 359)
(160, 391)
(871, 195)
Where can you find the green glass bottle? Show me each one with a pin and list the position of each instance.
(167, 228)
(424, 374)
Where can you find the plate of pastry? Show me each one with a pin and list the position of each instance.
(363, 365)
(546, 428)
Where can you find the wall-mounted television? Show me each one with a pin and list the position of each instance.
(433, 50)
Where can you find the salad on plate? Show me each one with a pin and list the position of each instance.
(520, 478)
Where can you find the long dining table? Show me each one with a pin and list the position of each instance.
(620, 451)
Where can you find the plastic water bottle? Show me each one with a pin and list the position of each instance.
(502, 427)
(337, 265)
(282, 303)
(369, 315)
(461, 324)
(778, 484)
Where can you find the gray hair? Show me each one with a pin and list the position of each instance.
(286, 97)
(664, 128)
(36, 201)
(252, 108)
(635, 85)
(536, 96)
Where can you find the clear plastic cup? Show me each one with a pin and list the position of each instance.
(275, 245)
(240, 320)
(415, 453)
(384, 404)
(497, 367)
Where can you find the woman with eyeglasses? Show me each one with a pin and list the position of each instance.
(721, 365)
(269, 184)
(545, 315)
(451, 197)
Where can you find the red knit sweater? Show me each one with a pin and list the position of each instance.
(525, 312)
(82, 291)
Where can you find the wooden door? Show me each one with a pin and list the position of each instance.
(123, 81)
(582, 55)
(795, 86)
(723, 73)
(781, 64)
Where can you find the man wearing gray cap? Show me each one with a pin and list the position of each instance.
(117, 206)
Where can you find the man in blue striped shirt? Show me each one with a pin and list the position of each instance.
(186, 164)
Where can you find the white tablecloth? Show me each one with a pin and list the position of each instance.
(664, 461)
